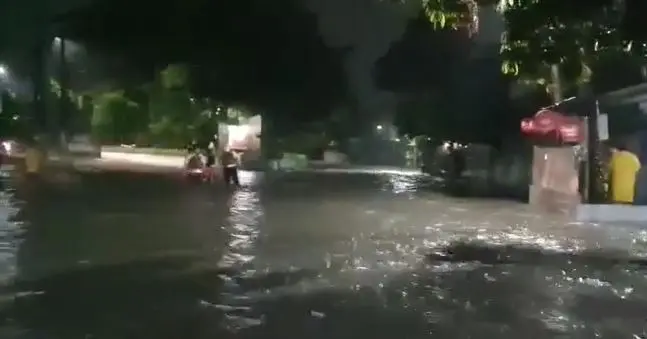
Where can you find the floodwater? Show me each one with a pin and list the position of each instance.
(305, 255)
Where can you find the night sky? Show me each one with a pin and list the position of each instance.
(265, 53)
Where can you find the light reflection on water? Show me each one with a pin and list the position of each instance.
(368, 258)
(243, 226)
(11, 231)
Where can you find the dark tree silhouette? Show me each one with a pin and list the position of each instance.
(599, 43)
(266, 56)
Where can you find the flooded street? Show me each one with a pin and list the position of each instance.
(305, 255)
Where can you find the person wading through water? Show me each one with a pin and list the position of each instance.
(229, 167)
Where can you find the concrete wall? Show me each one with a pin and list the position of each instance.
(334, 158)
(555, 179)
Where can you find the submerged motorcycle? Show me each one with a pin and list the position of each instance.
(194, 163)
(196, 169)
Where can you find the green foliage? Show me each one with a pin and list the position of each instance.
(570, 34)
(174, 76)
(576, 35)
(171, 109)
(67, 109)
(452, 14)
(165, 132)
(117, 119)
(160, 113)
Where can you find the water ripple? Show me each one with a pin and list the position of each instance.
(11, 231)
(380, 259)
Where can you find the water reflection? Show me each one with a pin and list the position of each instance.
(339, 256)
(11, 231)
(243, 227)
(400, 183)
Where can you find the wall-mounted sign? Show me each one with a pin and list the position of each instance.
(553, 126)
(603, 127)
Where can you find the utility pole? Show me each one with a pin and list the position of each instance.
(40, 117)
(64, 100)
(591, 177)
(592, 148)
(556, 81)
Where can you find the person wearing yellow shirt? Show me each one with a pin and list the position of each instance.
(624, 167)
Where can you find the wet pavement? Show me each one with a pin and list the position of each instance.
(305, 255)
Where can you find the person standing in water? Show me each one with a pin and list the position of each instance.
(625, 165)
(229, 165)
(210, 153)
(210, 150)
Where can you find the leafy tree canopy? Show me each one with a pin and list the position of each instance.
(539, 33)
(598, 42)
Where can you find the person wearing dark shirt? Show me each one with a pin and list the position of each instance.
(193, 159)
(192, 147)
(210, 153)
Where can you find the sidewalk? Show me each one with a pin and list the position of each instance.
(108, 162)
(157, 160)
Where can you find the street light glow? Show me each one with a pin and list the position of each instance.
(3, 70)
(379, 127)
